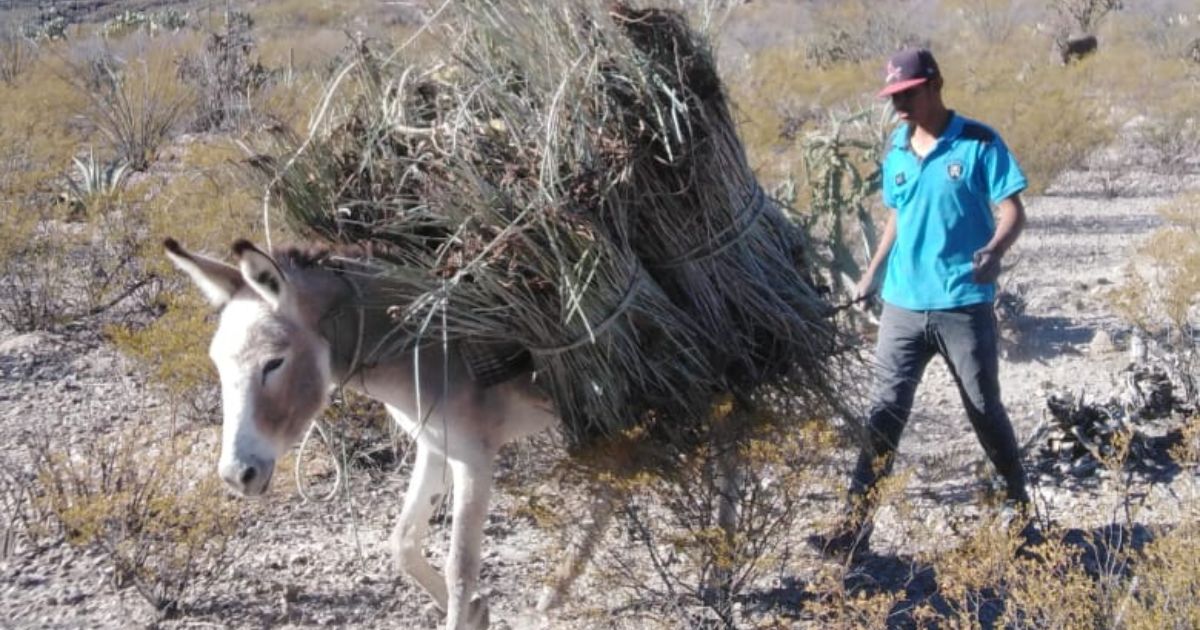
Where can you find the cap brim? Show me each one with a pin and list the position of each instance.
(900, 86)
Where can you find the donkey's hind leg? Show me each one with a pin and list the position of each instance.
(425, 490)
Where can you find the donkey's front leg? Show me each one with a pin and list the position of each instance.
(472, 489)
(425, 489)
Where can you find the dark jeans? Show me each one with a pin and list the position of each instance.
(966, 338)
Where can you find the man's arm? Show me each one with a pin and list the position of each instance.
(1009, 225)
(869, 281)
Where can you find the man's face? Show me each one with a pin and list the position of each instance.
(915, 102)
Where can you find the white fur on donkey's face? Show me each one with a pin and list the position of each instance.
(275, 376)
(274, 366)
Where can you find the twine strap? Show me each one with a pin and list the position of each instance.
(590, 336)
(755, 206)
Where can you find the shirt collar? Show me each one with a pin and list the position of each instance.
(953, 128)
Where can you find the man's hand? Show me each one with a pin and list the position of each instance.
(985, 266)
(865, 287)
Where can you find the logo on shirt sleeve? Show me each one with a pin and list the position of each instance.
(954, 170)
(900, 178)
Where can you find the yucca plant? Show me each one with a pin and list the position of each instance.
(136, 104)
(94, 180)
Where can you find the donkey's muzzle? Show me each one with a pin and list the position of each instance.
(248, 476)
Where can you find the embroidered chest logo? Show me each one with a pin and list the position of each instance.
(954, 170)
(900, 178)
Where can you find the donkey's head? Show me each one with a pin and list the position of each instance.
(274, 365)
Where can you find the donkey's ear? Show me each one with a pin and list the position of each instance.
(216, 280)
(260, 272)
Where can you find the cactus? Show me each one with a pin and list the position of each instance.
(842, 171)
(128, 22)
(50, 24)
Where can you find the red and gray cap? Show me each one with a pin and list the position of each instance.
(908, 68)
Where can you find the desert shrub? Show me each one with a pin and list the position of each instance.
(206, 203)
(1081, 16)
(128, 22)
(226, 73)
(38, 131)
(48, 24)
(136, 103)
(206, 208)
(1166, 593)
(857, 31)
(707, 531)
(39, 140)
(172, 352)
(1176, 249)
(288, 104)
(1171, 131)
(1167, 33)
(66, 262)
(1049, 116)
(982, 582)
(993, 20)
(1166, 294)
(777, 105)
(17, 55)
(138, 500)
(34, 293)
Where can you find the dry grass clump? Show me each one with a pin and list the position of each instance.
(137, 500)
(618, 235)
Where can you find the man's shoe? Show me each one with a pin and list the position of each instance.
(846, 543)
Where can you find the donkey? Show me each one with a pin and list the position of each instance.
(289, 331)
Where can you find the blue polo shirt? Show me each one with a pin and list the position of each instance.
(943, 206)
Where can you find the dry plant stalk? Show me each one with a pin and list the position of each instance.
(581, 196)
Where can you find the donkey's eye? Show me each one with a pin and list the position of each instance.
(271, 366)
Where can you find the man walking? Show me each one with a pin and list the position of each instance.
(942, 249)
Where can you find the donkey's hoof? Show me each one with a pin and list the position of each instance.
(477, 613)
(432, 615)
(550, 599)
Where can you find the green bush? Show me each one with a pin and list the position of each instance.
(139, 501)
